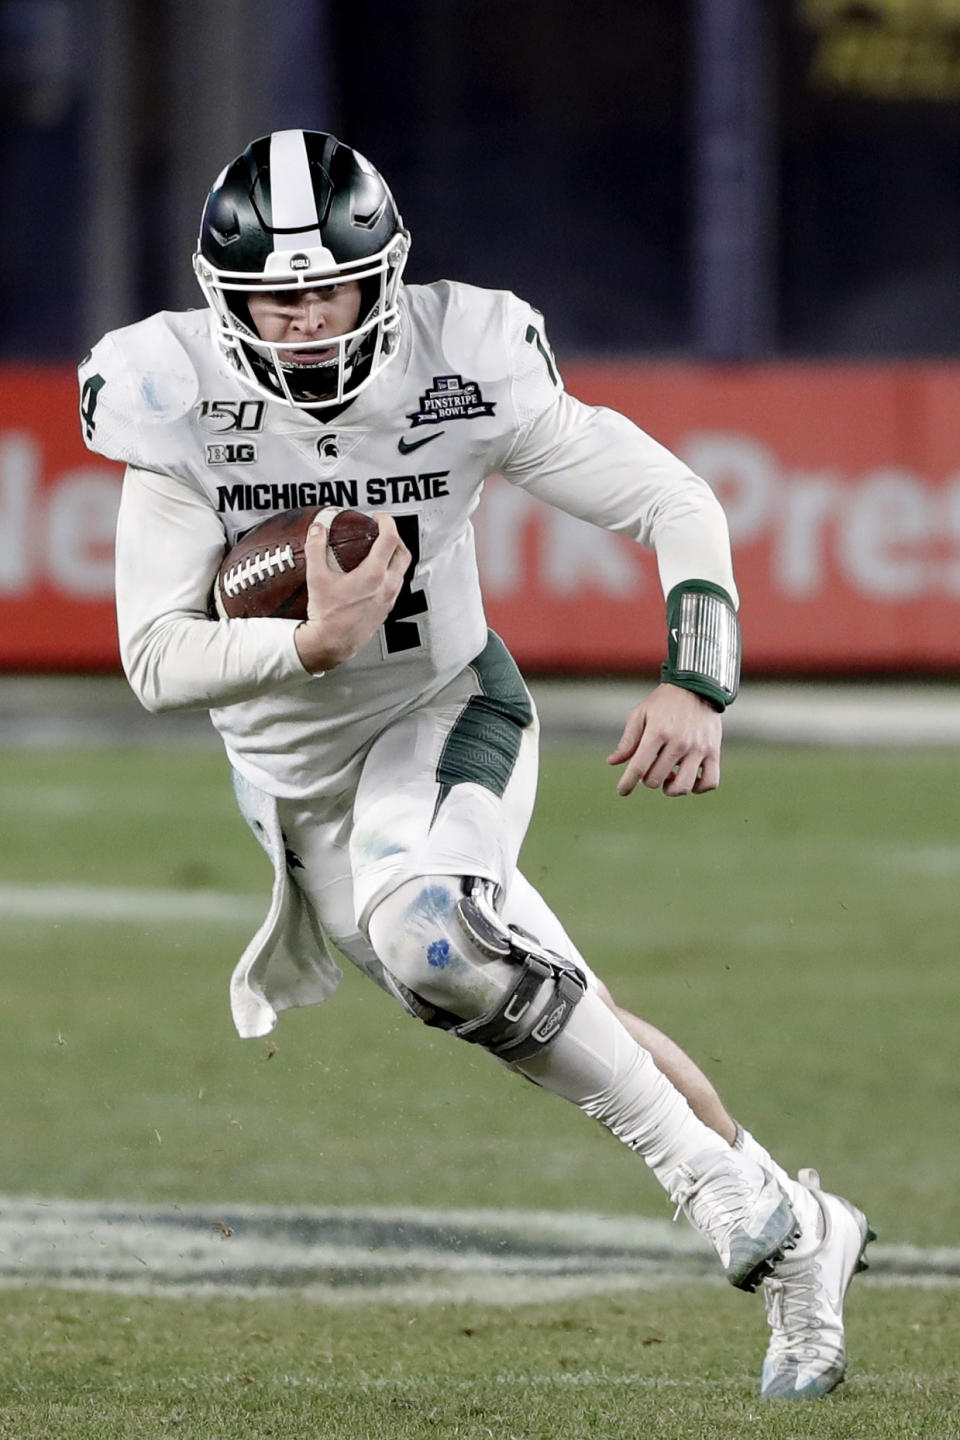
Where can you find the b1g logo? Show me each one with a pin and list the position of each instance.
(222, 416)
(244, 453)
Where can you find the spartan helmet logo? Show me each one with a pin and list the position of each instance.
(328, 447)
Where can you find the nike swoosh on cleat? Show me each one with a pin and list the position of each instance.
(405, 446)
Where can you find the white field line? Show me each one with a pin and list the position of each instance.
(343, 1255)
(122, 904)
(113, 903)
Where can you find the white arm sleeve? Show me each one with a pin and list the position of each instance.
(169, 547)
(596, 464)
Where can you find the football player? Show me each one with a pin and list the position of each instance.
(384, 749)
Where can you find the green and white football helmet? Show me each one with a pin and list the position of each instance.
(300, 210)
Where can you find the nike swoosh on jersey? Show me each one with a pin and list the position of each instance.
(405, 446)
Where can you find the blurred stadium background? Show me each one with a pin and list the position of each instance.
(739, 217)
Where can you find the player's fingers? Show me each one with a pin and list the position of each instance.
(630, 739)
(388, 541)
(388, 549)
(628, 781)
(649, 765)
(393, 575)
(662, 767)
(400, 558)
(683, 779)
(315, 554)
(641, 762)
(636, 773)
(709, 777)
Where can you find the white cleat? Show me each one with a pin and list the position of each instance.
(741, 1210)
(807, 1357)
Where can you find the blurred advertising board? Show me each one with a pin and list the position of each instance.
(841, 485)
(58, 510)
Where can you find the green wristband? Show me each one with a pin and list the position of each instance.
(703, 642)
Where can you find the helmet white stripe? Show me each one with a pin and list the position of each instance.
(292, 201)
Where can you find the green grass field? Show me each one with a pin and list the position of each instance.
(795, 932)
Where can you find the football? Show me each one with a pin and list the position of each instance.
(350, 533)
(265, 572)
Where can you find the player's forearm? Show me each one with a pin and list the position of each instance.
(187, 662)
(692, 541)
(169, 544)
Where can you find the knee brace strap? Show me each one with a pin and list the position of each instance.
(509, 1030)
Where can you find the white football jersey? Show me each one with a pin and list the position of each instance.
(473, 390)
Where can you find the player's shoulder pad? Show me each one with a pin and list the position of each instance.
(479, 329)
(138, 383)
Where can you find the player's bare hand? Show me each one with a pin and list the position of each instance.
(671, 742)
(345, 609)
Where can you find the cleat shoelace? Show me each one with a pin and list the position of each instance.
(792, 1315)
(726, 1208)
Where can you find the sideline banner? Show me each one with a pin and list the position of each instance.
(841, 485)
(58, 510)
